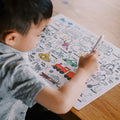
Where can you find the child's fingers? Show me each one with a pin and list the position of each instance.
(95, 53)
(87, 55)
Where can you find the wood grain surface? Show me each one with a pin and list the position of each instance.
(100, 17)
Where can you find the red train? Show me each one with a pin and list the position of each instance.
(69, 74)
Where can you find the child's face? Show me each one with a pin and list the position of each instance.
(27, 42)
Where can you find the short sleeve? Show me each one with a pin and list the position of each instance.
(26, 84)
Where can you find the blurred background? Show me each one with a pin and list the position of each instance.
(99, 16)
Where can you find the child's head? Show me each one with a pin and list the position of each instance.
(22, 21)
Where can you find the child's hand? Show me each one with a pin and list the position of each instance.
(89, 62)
(61, 100)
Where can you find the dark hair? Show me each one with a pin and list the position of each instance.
(19, 14)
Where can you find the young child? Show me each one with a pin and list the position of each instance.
(21, 24)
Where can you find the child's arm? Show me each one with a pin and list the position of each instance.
(61, 100)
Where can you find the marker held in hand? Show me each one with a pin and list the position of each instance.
(100, 38)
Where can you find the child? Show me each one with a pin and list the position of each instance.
(21, 23)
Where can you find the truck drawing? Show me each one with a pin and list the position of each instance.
(69, 74)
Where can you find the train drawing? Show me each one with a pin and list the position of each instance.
(64, 70)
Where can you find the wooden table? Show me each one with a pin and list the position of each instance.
(100, 17)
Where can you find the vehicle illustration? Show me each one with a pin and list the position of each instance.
(48, 78)
(70, 62)
(45, 57)
(68, 74)
(61, 69)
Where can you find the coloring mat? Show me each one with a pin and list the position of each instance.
(56, 57)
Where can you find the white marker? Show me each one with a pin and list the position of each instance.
(100, 38)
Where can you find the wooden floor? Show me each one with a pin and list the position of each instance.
(100, 17)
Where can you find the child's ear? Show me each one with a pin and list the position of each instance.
(11, 38)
